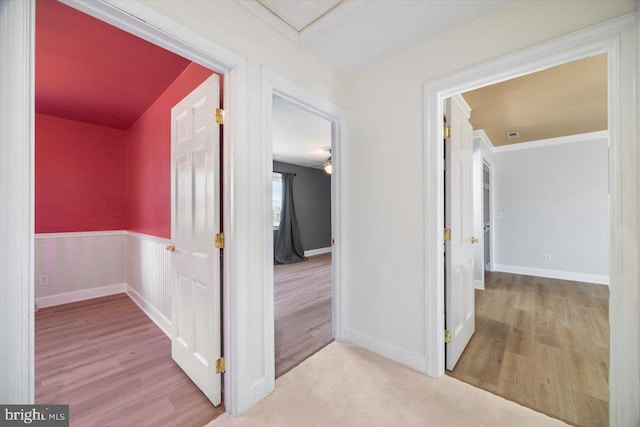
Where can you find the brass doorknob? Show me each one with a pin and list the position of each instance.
(171, 247)
(474, 240)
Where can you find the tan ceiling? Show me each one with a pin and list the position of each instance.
(565, 100)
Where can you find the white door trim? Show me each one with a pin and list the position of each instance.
(492, 232)
(618, 38)
(275, 84)
(17, 50)
(146, 22)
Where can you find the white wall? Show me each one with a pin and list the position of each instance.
(225, 23)
(386, 300)
(77, 262)
(553, 200)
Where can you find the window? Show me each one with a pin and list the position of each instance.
(277, 199)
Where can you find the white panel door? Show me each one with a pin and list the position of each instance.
(459, 252)
(195, 220)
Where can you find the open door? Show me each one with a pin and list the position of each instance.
(195, 220)
(459, 258)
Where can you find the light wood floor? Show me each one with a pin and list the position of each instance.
(302, 294)
(543, 343)
(112, 365)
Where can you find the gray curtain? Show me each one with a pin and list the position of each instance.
(288, 248)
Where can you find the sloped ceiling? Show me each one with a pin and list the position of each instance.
(89, 71)
(565, 100)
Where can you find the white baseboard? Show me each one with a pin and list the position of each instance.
(384, 349)
(85, 294)
(152, 313)
(553, 274)
(479, 284)
(312, 252)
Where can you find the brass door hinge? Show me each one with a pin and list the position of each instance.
(219, 116)
(220, 366)
(447, 234)
(447, 337)
(220, 240)
(446, 132)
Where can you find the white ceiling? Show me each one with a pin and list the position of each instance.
(299, 137)
(355, 33)
(348, 34)
(300, 14)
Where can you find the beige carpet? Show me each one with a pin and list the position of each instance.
(344, 386)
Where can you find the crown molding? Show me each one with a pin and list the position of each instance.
(589, 136)
(462, 103)
(328, 18)
(484, 139)
(267, 16)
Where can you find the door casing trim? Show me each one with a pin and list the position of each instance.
(617, 38)
(149, 24)
(274, 84)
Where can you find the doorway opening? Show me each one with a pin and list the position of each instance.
(302, 233)
(549, 235)
(103, 217)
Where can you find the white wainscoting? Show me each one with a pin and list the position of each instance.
(84, 265)
(78, 266)
(148, 277)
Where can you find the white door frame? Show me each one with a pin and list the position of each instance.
(17, 50)
(145, 22)
(486, 150)
(274, 84)
(618, 39)
(489, 163)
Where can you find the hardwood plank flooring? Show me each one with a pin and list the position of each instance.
(112, 365)
(302, 298)
(543, 343)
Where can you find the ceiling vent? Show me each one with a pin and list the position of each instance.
(513, 135)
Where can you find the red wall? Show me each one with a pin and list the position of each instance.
(80, 176)
(148, 183)
(91, 178)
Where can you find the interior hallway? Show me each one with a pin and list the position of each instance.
(112, 365)
(343, 385)
(302, 294)
(543, 343)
